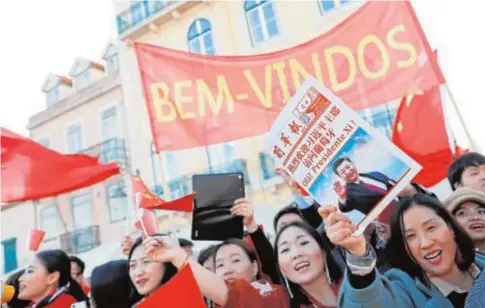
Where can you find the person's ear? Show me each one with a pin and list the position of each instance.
(457, 185)
(255, 266)
(53, 278)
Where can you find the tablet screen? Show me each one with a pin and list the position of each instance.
(214, 196)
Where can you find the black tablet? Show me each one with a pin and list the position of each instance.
(214, 196)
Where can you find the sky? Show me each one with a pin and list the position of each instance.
(39, 37)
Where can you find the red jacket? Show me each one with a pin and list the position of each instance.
(62, 301)
(258, 294)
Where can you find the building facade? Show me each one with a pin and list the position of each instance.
(99, 110)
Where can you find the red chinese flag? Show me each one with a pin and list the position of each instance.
(149, 223)
(31, 171)
(151, 201)
(196, 100)
(181, 291)
(420, 131)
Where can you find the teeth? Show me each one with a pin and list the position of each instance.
(432, 256)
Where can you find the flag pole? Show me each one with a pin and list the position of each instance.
(139, 212)
(127, 129)
(460, 117)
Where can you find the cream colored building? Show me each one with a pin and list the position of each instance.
(99, 110)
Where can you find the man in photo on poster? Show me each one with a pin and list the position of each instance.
(362, 191)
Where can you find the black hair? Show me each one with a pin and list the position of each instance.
(110, 285)
(206, 253)
(289, 209)
(79, 263)
(397, 251)
(455, 171)
(334, 271)
(57, 260)
(248, 250)
(185, 243)
(13, 280)
(338, 162)
(170, 269)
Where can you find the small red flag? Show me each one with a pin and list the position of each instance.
(181, 291)
(420, 131)
(31, 171)
(151, 201)
(150, 223)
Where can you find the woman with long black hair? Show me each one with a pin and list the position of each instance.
(433, 259)
(47, 281)
(146, 276)
(308, 268)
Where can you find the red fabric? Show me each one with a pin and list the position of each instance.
(63, 301)
(243, 294)
(85, 287)
(420, 131)
(196, 100)
(153, 202)
(150, 223)
(181, 291)
(31, 171)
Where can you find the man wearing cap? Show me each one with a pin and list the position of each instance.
(467, 205)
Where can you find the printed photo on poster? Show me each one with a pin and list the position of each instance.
(359, 176)
(337, 157)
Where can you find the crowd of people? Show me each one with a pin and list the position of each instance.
(430, 254)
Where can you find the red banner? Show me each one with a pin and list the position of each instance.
(378, 54)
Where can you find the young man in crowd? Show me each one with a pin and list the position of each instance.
(467, 205)
(468, 170)
(77, 273)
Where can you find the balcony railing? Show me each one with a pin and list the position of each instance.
(140, 11)
(110, 150)
(80, 240)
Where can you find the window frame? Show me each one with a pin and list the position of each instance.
(259, 6)
(108, 198)
(77, 123)
(52, 95)
(200, 35)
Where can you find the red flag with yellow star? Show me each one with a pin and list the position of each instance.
(150, 201)
(420, 131)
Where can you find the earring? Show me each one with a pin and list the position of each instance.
(288, 286)
(327, 273)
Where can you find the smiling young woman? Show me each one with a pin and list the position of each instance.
(433, 259)
(146, 276)
(307, 266)
(47, 281)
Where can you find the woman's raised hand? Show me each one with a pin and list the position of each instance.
(339, 230)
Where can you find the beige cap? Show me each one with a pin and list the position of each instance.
(461, 195)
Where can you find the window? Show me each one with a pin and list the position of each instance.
(82, 79)
(45, 142)
(53, 96)
(261, 19)
(137, 14)
(327, 5)
(199, 37)
(74, 138)
(171, 168)
(49, 220)
(267, 166)
(112, 64)
(220, 154)
(109, 123)
(9, 255)
(117, 202)
(81, 210)
(380, 117)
